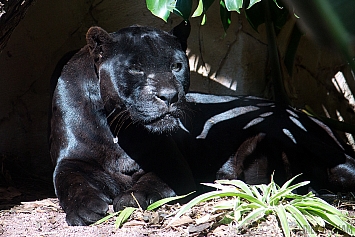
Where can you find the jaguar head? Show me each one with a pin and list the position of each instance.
(143, 73)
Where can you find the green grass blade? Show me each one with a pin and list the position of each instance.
(312, 219)
(252, 216)
(165, 200)
(251, 199)
(220, 186)
(248, 194)
(295, 186)
(335, 221)
(124, 215)
(271, 188)
(281, 214)
(214, 194)
(299, 197)
(199, 199)
(288, 182)
(238, 183)
(300, 219)
(285, 190)
(317, 204)
(105, 218)
(246, 207)
(256, 192)
(237, 213)
(262, 187)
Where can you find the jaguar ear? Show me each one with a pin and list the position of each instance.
(182, 32)
(96, 39)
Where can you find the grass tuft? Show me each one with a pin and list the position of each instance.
(251, 203)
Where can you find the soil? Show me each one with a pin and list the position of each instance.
(44, 217)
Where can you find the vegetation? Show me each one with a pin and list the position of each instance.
(331, 23)
(251, 203)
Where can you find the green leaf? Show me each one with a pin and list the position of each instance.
(220, 186)
(237, 213)
(300, 219)
(252, 2)
(256, 192)
(165, 200)
(234, 5)
(285, 189)
(281, 213)
(225, 15)
(195, 201)
(183, 8)
(105, 218)
(202, 7)
(335, 221)
(255, 16)
(288, 183)
(317, 204)
(252, 216)
(203, 19)
(210, 195)
(161, 8)
(275, 1)
(312, 219)
(267, 191)
(124, 215)
(237, 183)
(249, 206)
(199, 9)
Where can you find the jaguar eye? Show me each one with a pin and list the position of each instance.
(135, 71)
(176, 67)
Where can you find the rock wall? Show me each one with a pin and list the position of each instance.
(232, 64)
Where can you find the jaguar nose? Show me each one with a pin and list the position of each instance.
(168, 95)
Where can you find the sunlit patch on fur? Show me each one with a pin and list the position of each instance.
(212, 99)
(267, 114)
(292, 113)
(253, 122)
(232, 113)
(298, 123)
(289, 135)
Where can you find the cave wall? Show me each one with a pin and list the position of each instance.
(231, 64)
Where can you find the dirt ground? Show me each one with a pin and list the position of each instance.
(44, 217)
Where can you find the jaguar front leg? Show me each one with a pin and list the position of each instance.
(147, 190)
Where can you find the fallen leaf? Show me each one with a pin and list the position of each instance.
(134, 223)
(198, 228)
(203, 219)
(182, 221)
